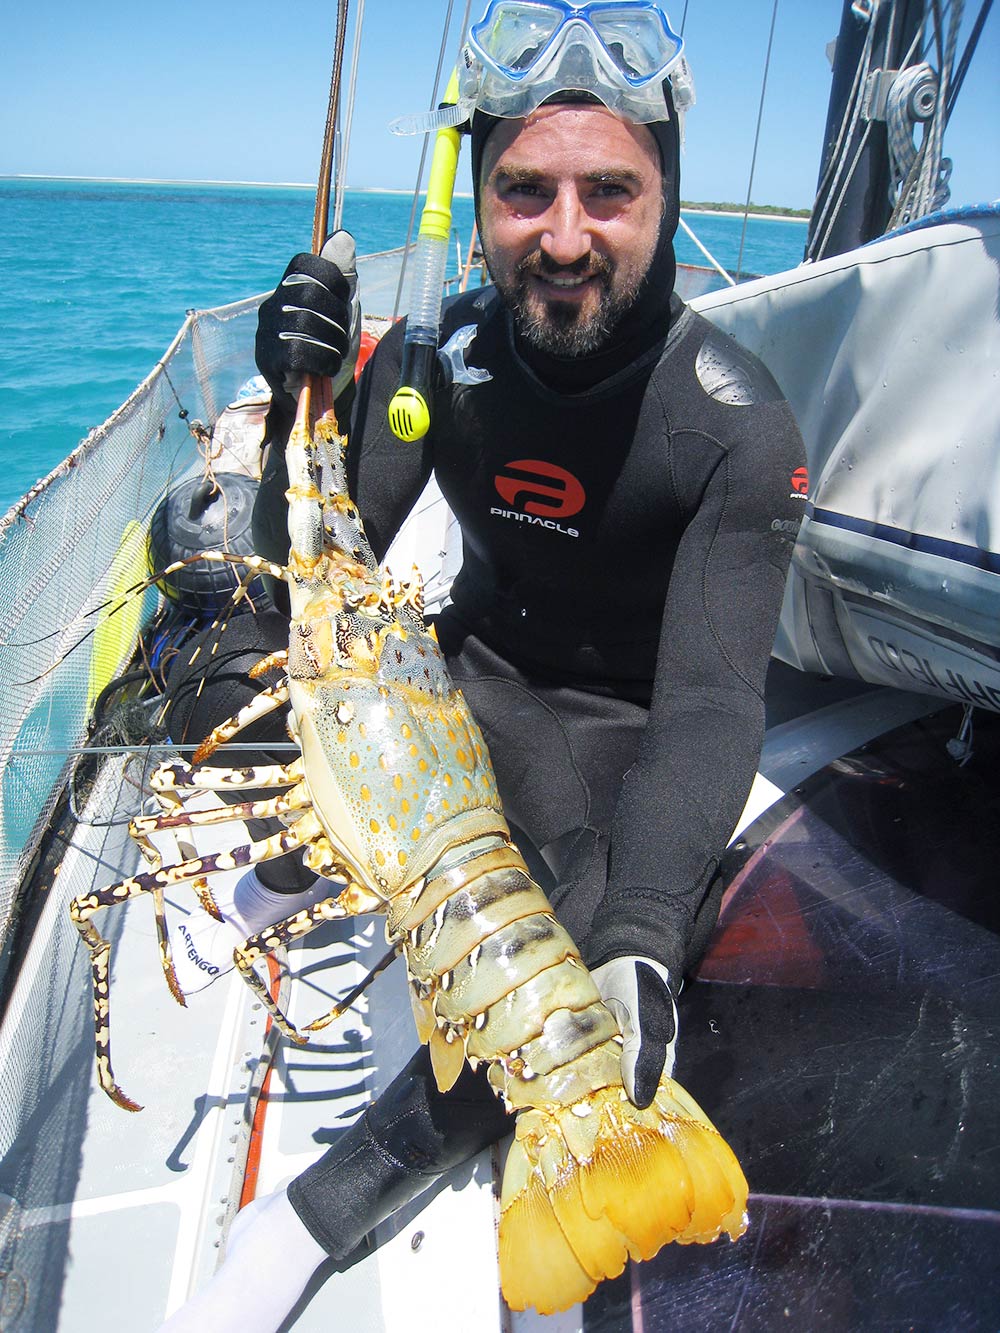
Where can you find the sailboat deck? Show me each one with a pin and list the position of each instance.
(842, 1032)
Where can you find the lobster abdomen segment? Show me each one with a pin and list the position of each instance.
(591, 1180)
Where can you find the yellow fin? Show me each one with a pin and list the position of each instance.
(423, 1017)
(720, 1204)
(719, 1185)
(570, 1218)
(599, 1247)
(640, 1181)
(537, 1264)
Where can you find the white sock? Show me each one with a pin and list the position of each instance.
(270, 1257)
(202, 947)
(256, 906)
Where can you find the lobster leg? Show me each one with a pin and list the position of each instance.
(154, 860)
(276, 661)
(282, 933)
(143, 827)
(295, 800)
(353, 900)
(177, 776)
(261, 705)
(82, 909)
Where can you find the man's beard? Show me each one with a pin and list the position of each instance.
(564, 328)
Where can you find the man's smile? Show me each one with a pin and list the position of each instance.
(569, 284)
(566, 283)
(564, 288)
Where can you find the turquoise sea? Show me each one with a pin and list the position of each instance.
(96, 277)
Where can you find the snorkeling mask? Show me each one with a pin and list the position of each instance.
(523, 52)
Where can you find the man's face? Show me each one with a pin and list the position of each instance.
(570, 203)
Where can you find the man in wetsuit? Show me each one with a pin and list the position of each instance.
(623, 483)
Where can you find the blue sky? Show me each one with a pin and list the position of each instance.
(237, 91)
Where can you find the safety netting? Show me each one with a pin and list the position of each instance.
(70, 550)
(75, 545)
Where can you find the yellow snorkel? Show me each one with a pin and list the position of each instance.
(409, 410)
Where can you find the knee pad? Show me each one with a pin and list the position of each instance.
(430, 1131)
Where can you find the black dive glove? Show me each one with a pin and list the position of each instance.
(639, 992)
(312, 323)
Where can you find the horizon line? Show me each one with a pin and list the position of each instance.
(183, 180)
(703, 206)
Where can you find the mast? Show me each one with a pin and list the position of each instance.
(853, 206)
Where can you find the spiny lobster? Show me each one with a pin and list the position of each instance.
(394, 798)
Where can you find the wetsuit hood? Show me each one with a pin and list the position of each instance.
(648, 319)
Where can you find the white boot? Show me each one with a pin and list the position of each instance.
(270, 1257)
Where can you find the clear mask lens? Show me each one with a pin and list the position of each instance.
(513, 36)
(516, 35)
(640, 42)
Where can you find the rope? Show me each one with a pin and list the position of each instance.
(919, 96)
(197, 429)
(914, 89)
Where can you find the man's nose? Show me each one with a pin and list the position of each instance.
(566, 237)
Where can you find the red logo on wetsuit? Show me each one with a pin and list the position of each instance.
(561, 495)
(800, 482)
(557, 494)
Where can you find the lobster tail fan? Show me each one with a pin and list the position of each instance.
(585, 1190)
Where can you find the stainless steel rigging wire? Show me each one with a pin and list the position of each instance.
(958, 78)
(345, 137)
(756, 140)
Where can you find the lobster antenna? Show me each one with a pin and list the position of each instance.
(342, 1005)
(324, 188)
(115, 604)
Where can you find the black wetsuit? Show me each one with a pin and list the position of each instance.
(627, 522)
(626, 542)
(625, 550)
(627, 518)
